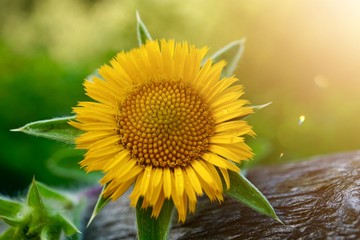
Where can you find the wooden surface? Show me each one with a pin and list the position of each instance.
(317, 198)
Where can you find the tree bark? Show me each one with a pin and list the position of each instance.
(318, 198)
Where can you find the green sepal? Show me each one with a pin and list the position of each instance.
(245, 192)
(33, 198)
(50, 233)
(142, 32)
(100, 204)
(68, 227)
(56, 129)
(54, 198)
(12, 212)
(150, 228)
(232, 54)
(44, 214)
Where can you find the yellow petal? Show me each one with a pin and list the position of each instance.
(216, 177)
(157, 190)
(93, 136)
(179, 182)
(212, 78)
(242, 150)
(96, 126)
(135, 194)
(103, 152)
(231, 126)
(158, 206)
(167, 50)
(226, 139)
(178, 201)
(230, 107)
(224, 99)
(109, 141)
(192, 206)
(181, 50)
(209, 191)
(201, 171)
(189, 190)
(219, 161)
(203, 73)
(183, 209)
(118, 161)
(194, 181)
(220, 86)
(146, 180)
(167, 183)
(157, 176)
(122, 188)
(226, 177)
(224, 152)
(129, 173)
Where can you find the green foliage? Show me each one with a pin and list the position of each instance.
(148, 227)
(9, 211)
(56, 129)
(44, 214)
(245, 192)
(143, 34)
(100, 204)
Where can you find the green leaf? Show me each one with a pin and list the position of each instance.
(44, 214)
(50, 232)
(141, 30)
(56, 129)
(11, 212)
(245, 192)
(100, 204)
(68, 227)
(54, 198)
(77, 217)
(33, 198)
(150, 228)
(232, 54)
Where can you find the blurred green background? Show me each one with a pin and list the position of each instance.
(303, 56)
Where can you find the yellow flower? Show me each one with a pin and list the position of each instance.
(165, 123)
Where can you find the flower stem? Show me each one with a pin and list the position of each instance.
(150, 228)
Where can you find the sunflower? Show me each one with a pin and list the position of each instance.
(164, 122)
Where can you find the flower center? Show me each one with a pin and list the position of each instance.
(165, 124)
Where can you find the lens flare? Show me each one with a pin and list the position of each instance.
(301, 119)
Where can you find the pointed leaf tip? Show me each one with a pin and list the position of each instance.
(16, 130)
(100, 204)
(68, 226)
(259, 107)
(245, 192)
(57, 129)
(142, 32)
(33, 198)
